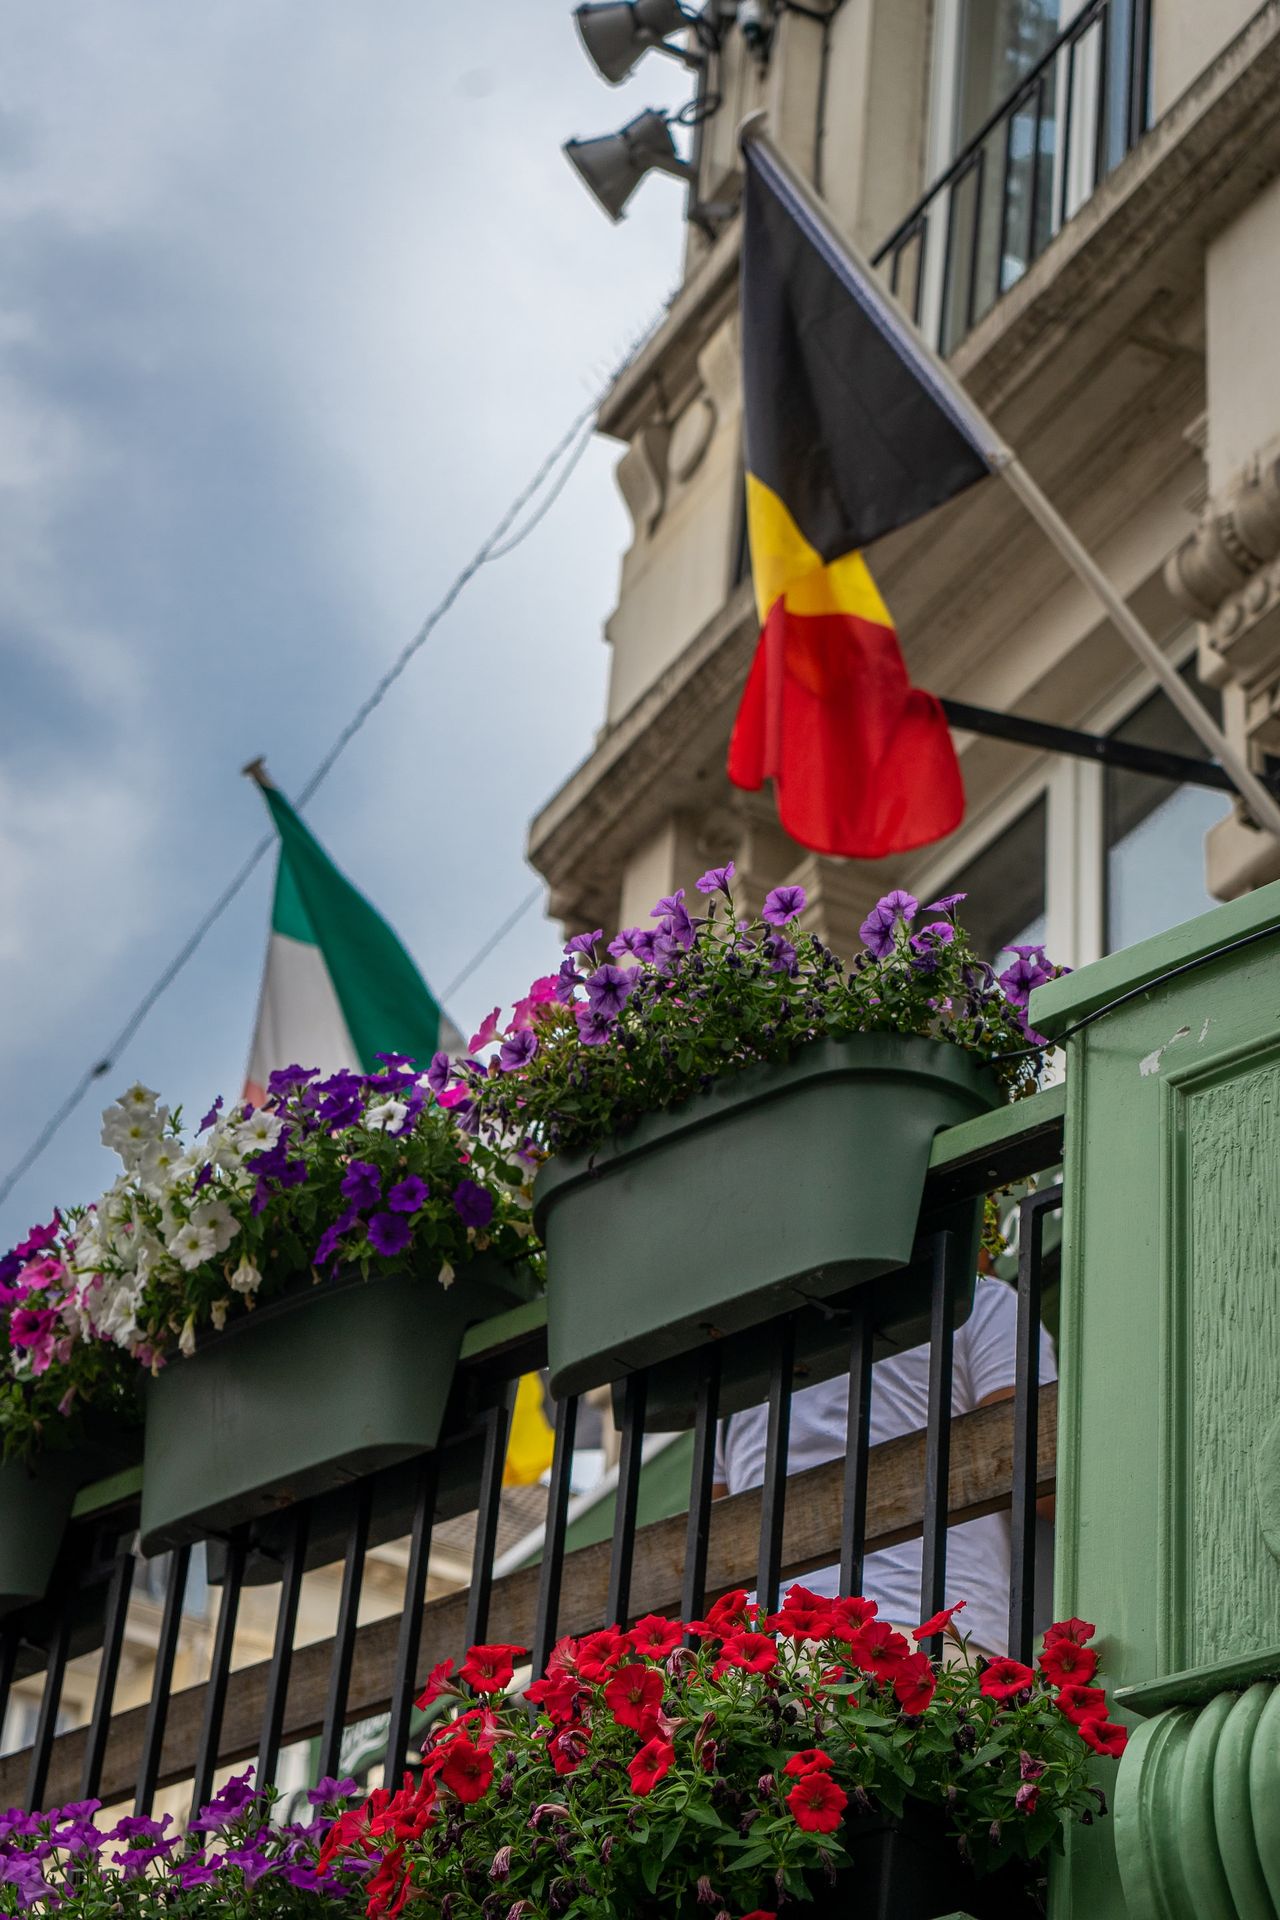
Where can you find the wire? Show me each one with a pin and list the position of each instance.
(495, 547)
(1147, 986)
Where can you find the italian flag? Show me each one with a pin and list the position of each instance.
(338, 988)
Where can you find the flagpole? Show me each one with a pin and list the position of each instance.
(1263, 806)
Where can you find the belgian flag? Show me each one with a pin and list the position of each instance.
(849, 433)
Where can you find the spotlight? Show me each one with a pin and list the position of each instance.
(614, 165)
(618, 33)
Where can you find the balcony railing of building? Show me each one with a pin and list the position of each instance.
(1000, 1458)
(1026, 171)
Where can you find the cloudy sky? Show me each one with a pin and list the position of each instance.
(295, 296)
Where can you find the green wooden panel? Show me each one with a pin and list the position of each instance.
(1169, 1446)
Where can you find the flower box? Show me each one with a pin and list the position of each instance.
(309, 1391)
(780, 1186)
(36, 1498)
(910, 1868)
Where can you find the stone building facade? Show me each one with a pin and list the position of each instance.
(1080, 205)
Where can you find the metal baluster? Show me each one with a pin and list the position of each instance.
(1033, 215)
(551, 1572)
(853, 1534)
(937, 1457)
(409, 1639)
(773, 1494)
(944, 325)
(896, 269)
(162, 1681)
(693, 1591)
(344, 1638)
(975, 237)
(498, 1427)
(1101, 130)
(1005, 197)
(917, 299)
(1064, 210)
(1026, 1419)
(291, 1573)
(1139, 67)
(10, 1641)
(50, 1701)
(117, 1613)
(635, 1396)
(215, 1696)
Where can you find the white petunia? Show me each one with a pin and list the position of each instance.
(160, 1163)
(192, 1245)
(218, 1314)
(259, 1133)
(187, 1338)
(138, 1099)
(246, 1278)
(446, 1274)
(385, 1113)
(221, 1222)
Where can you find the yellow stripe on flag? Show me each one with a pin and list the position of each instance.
(784, 563)
(532, 1442)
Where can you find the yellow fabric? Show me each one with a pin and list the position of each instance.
(532, 1442)
(783, 563)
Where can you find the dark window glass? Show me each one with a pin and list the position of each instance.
(1155, 829)
(1005, 887)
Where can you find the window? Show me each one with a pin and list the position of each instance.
(1006, 887)
(1154, 829)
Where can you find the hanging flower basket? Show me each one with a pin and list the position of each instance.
(35, 1505)
(910, 1868)
(780, 1186)
(310, 1391)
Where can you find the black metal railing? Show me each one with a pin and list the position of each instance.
(1043, 152)
(998, 1458)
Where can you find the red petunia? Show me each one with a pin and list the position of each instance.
(1065, 1663)
(759, 1913)
(915, 1683)
(848, 1615)
(730, 1613)
(633, 1697)
(489, 1669)
(802, 1621)
(437, 1681)
(812, 1760)
(817, 1803)
(568, 1748)
(1081, 1703)
(938, 1622)
(1104, 1737)
(1003, 1678)
(601, 1652)
(655, 1636)
(878, 1649)
(651, 1764)
(561, 1696)
(466, 1771)
(1072, 1629)
(750, 1652)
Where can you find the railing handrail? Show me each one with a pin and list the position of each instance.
(980, 1482)
(1074, 30)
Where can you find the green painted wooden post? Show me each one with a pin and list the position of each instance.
(1169, 1449)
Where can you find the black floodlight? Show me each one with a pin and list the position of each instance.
(618, 33)
(614, 165)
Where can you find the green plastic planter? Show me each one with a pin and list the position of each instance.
(313, 1390)
(781, 1186)
(36, 1502)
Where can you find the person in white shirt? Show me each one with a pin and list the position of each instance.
(977, 1550)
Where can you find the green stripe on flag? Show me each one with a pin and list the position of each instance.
(385, 1001)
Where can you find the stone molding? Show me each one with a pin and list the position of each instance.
(1197, 1832)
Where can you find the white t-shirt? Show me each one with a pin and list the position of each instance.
(977, 1550)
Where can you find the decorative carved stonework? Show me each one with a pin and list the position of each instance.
(1227, 575)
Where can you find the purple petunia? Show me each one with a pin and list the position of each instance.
(1029, 970)
(927, 945)
(517, 1050)
(583, 942)
(946, 903)
(389, 1233)
(878, 928)
(594, 1025)
(474, 1206)
(609, 988)
(715, 879)
(408, 1194)
(328, 1243)
(624, 941)
(225, 1805)
(439, 1072)
(782, 905)
(331, 1789)
(675, 922)
(566, 981)
(362, 1184)
(780, 954)
(213, 1113)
